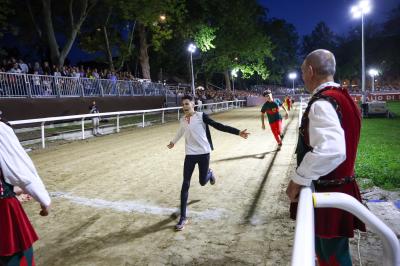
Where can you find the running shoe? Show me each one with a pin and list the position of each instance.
(212, 178)
(181, 224)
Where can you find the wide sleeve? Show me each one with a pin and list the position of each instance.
(18, 168)
(207, 120)
(328, 142)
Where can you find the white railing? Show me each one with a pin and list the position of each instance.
(42, 86)
(304, 246)
(215, 107)
(391, 246)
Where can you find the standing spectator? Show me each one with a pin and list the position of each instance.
(326, 153)
(93, 109)
(37, 68)
(46, 68)
(15, 69)
(24, 67)
(16, 169)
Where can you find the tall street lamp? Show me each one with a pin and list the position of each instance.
(234, 75)
(373, 72)
(192, 48)
(293, 76)
(359, 10)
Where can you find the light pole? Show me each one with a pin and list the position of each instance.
(373, 72)
(192, 48)
(293, 76)
(234, 75)
(358, 11)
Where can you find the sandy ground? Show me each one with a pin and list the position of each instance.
(116, 199)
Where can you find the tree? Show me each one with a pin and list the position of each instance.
(391, 26)
(239, 40)
(320, 38)
(155, 22)
(284, 38)
(110, 33)
(5, 11)
(56, 24)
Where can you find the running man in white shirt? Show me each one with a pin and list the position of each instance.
(198, 145)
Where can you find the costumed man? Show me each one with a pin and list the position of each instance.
(271, 108)
(198, 145)
(16, 169)
(326, 153)
(288, 102)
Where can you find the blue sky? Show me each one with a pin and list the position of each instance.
(305, 14)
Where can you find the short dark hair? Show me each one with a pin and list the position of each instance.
(187, 97)
(266, 92)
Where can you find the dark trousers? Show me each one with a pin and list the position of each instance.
(203, 160)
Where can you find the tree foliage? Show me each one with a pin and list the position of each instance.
(320, 38)
(284, 38)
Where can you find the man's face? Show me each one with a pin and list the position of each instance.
(268, 97)
(187, 106)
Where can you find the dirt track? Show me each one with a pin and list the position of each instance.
(115, 199)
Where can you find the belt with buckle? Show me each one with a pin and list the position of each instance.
(334, 182)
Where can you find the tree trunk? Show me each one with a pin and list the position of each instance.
(227, 80)
(108, 49)
(129, 48)
(56, 56)
(143, 52)
(49, 29)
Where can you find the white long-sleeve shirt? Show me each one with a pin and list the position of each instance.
(18, 168)
(327, 139)
(194, 129)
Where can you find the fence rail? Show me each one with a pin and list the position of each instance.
(42, 121)
(41, 86)
(304, 246)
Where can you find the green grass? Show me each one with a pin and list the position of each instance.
(378, 157)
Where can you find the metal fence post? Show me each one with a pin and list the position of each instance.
(83, 128)
(117, 123)
(56, 85)
(28, 85)
(178, 114)
(163, 117)
(143, 120)
(101, 88)
(43, 136)
(82, 88)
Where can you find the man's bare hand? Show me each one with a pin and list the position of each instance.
(44, 210)
(286, 116)
(244, 134)
(263, 126)
(293, 191)
(170, 145)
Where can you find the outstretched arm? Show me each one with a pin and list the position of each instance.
(219, 126)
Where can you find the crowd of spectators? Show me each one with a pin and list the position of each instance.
(13, 65)
(377, 89)
(215, 95)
